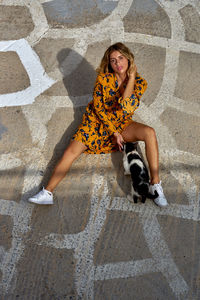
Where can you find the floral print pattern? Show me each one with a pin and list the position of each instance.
(107, 113)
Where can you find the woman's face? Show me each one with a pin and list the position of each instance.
(118, 62)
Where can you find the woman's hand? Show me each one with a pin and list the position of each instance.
(132, 71)
(131, 81)
(119, 140)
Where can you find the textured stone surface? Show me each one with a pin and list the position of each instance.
(73, 14)
(185, 233)
(148, 18)
(121, 239)
(191, 20)
(154, 58)
(187, 84)
(16, 22)
(81, 80)
(17, 134)
(57, 89)
(187, 137)
(174, 191)
(78, 83)
(42, 282)
(12, 178)
(93, 243)
(6, 225)
(13, 76)
(67, 122)
(53, 51)
(141, 287)
(72, 203)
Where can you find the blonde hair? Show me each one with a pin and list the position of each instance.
(105, 66)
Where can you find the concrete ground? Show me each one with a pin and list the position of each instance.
(93, 243)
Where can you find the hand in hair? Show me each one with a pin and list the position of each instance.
(131, 81)
(132, 70)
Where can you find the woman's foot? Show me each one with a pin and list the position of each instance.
(43, 197)
(160, 200)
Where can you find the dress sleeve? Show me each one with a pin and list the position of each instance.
(99, 107)
(130, 104)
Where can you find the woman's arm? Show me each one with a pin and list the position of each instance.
(98, 102)
(127, 94)
(130, 85)
(130, 99)
(131, 103)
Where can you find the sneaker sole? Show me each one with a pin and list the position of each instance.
(40, 203)
(161, 205)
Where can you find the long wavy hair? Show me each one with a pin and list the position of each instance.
(105, 66)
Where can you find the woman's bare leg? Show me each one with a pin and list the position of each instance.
(72, 152)
(140, 132)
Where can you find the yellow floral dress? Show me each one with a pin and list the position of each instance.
(107, 113)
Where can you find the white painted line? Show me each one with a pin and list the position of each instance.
(8, 266)
(21, 214)
(174, 210)
(7, 161)
(161, 42)
(188, 185)
(8, 207)
(149, 116)
(124, 269)
(58, 241)
(41, 25)
(161, 254)
(171, 156)
(12, 2)
(177, 27)
(66, 101)
(182, 105)
(168, 83)
(40, 113)
(2, 254)
(85, 240)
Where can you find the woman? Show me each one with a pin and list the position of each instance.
(107, 123)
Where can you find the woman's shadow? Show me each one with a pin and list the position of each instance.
(79, 82)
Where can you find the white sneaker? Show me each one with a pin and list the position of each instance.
(160, 200)
(43, 197)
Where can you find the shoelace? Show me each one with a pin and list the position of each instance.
(45, 191)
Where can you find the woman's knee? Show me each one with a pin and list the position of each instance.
(149, 132)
